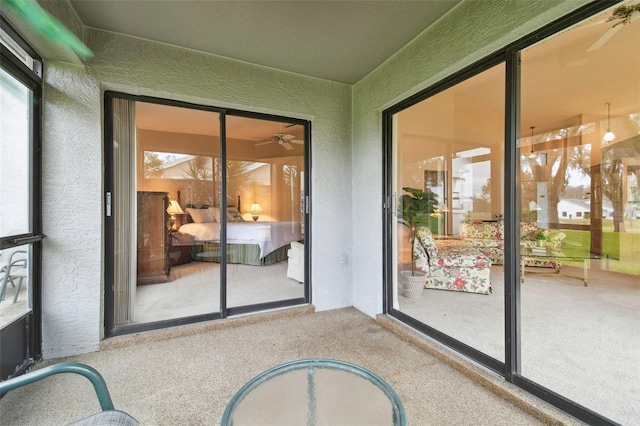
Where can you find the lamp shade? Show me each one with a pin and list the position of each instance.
(174, 208)
(255, 208)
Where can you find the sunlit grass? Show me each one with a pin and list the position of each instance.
(620, 251)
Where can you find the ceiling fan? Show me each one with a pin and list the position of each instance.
(627, 14)
(283, 140)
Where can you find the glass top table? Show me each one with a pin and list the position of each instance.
(566, 254)
(315, 392)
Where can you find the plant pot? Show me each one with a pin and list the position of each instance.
(413, 285)
(541, 243)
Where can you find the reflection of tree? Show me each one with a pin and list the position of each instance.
(206, 174)
(576, 192)
(290, 172)
(237, 177)
(612, 188)
(613, 176)
(559, 162)
(152, 165)
(199, 171)
(482, 201)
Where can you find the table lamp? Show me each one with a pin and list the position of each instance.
(255, 210)
(173, 210)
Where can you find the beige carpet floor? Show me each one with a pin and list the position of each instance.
(581, 342)
(194, 288)
(187, 375)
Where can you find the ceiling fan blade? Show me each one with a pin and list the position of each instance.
(605, 37)
(264, 143)
(291, 139)
(287, 146)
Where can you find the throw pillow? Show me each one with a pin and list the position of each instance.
(201, 215)
(233, 215)
(216, 213)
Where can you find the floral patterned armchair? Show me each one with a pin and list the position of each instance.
(455, 267)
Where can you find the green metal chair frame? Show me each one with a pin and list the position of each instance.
(96, 379)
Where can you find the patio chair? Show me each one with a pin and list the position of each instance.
(13, 272)
(108, 416)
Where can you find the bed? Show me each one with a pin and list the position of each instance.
(249, 243)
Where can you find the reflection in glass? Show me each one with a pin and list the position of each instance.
(264, 216)
(15, 105)
(580, 297)
(178, 158)
(449, 185)
(15, 270)
(172, 212)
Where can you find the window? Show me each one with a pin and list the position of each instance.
(20, 198)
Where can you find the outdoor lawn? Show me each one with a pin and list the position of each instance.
(621, 251)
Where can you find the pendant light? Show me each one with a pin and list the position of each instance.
(609, 136)
(532, 155)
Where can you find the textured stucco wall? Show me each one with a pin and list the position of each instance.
(72, 172)
(469, 32)
(73, 162)
(72, 206)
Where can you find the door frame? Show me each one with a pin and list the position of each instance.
(22, 339)
(510, 368)
(110, 329)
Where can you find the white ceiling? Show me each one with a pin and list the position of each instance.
(342, 41)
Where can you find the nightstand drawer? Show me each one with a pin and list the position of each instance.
(179, 255)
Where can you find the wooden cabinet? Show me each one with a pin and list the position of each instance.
(153, 238)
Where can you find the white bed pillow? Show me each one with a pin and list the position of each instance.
(201, 215)
(216, 213)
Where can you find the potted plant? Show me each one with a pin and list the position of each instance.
(415, 210)
(541, 236)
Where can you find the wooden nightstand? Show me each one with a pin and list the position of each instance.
(180, 248)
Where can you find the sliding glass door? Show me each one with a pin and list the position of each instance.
(516, 211)
(204, 211)
(448, 183)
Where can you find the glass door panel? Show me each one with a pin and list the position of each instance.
(15, 195)
(20, 208)
(448, 181)
(264, 217)
(580, 159)
(164, 183)
(15, 170)
(178, 150)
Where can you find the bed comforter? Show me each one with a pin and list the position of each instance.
(269, 236)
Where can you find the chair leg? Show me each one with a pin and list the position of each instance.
(15, 297)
